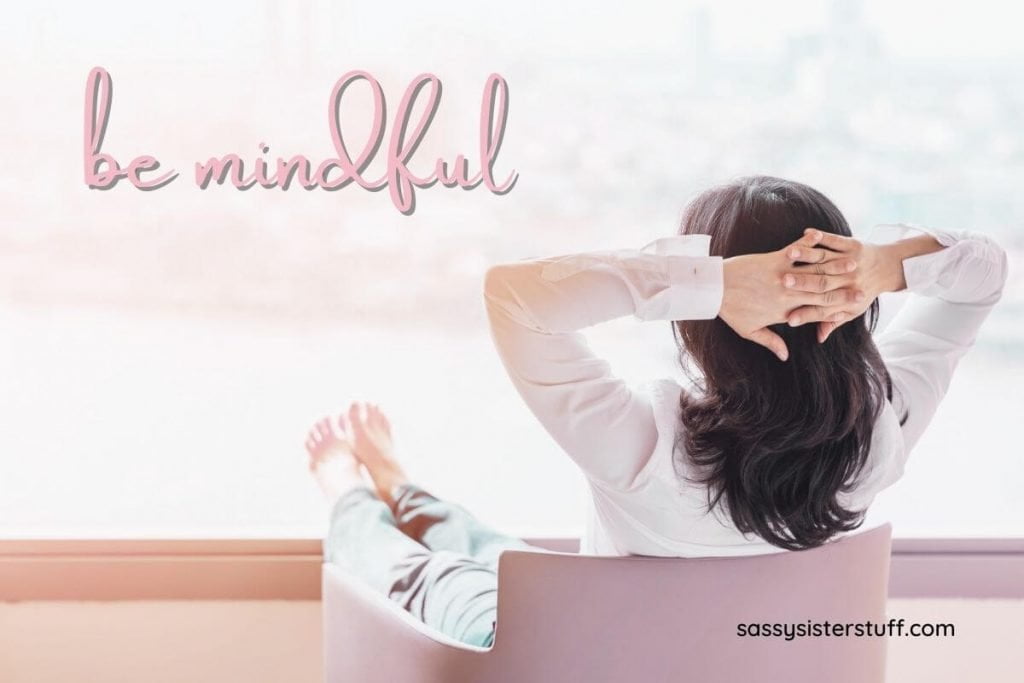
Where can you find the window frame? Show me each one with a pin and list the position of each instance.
(289, 569)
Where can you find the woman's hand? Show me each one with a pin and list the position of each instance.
(766, 289)
(879, 268)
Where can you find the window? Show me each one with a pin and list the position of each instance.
(164, 352)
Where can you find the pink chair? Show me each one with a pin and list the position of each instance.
(566, 618)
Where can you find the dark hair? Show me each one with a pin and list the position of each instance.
(775, 442)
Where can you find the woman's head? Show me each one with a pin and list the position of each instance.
(776, 442)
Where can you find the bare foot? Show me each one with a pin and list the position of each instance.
(372, 445)
(331, 460)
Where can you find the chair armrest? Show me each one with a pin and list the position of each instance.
(351, 594)
(371, 639)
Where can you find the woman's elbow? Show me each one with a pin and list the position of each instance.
(496, 279)
(510, 293)
(1001, 270)
(503, 280)
(499, 289)
(496, 286)
(990, 277)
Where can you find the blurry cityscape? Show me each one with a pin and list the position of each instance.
(609, 149)
(185, 337)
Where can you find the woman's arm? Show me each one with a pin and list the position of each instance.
(537, 307)
(955, 279)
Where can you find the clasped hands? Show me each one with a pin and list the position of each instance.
(821, 278)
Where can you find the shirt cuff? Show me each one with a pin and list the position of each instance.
(893, 232)
(947, 273)
(672, 278)
(922, 273)
(692, 287)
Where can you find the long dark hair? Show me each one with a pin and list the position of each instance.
(775, 442)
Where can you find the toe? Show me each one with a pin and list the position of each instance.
(355, 416)
(342, 423)
(378, 416)
(378, 420)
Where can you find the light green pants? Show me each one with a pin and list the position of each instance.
(432, 557)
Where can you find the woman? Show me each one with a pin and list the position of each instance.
(796, 420)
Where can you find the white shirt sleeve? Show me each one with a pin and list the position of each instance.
(952, 292)
(536, 310)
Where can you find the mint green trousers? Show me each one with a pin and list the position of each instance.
(430, 556)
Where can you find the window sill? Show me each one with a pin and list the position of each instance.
(289, 569)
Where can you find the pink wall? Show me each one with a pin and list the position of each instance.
(160, 642)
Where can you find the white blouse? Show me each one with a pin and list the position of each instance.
(624, 438)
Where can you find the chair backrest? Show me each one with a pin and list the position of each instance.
(564, 617)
